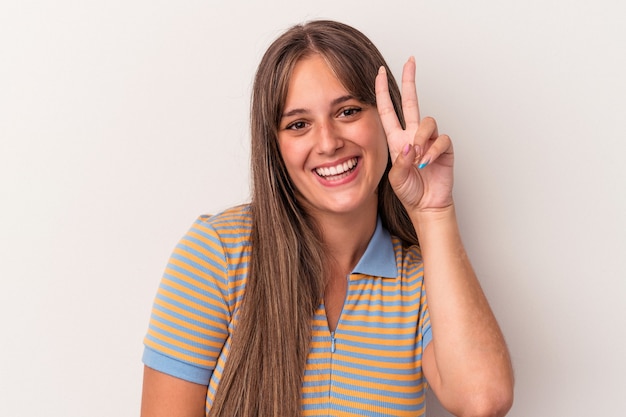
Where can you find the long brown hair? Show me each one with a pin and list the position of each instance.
(265, 366)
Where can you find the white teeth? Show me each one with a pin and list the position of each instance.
(337, 169)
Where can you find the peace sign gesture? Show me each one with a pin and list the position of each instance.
(422, 159)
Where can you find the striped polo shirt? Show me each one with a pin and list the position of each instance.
(370, 365)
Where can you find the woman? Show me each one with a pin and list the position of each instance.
(311, 300)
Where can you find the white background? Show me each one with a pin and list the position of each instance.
(121, 121)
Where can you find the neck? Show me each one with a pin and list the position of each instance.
(346, 236)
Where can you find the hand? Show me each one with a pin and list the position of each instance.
(421, 175)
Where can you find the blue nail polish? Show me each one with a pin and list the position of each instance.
(422, 165)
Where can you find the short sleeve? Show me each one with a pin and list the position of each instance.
(424, 320)
(191, 311)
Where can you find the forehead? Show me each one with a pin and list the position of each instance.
(312, 78)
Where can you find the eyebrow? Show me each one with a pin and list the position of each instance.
(336, 101)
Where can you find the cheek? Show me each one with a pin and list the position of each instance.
(291, 154)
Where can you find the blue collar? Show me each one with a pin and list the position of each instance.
(379, 259)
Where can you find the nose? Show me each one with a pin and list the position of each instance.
(329, 139)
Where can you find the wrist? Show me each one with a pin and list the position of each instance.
(436, 220)
(433, 214)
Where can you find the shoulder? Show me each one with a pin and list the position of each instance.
(232, 217)
(218, 238)
(232, 223)
(408, 258)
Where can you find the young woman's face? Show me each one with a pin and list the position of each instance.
(333, 145)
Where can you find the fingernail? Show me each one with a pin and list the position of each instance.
(423, 164)
(406, 149)
(382, 70)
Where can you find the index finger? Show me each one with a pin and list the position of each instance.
(388, 115)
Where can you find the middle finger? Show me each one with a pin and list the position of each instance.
(410, 105)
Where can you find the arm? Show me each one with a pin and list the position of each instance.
(467, 364)
(165, 396)
(188, 325)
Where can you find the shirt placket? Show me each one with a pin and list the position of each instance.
(334, 339)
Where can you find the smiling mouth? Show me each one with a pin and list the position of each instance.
(338, 171)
